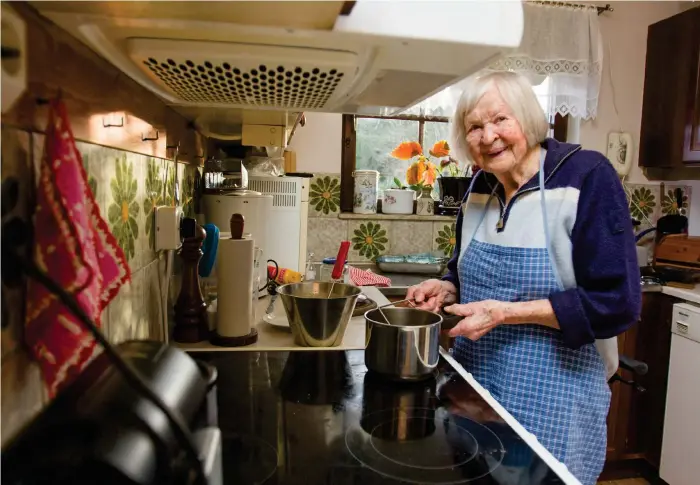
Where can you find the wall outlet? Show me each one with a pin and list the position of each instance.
(167, 222)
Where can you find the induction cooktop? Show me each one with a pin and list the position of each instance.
(316, 418)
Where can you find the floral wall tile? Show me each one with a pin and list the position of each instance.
(126, 308)
(180, 175)
(149, 320)
(644, 203)
(153, 196)
(324, 195)
(369, 239)
(124, 209)
(409, 237)
(444, 238)
(324, 236)
(188, 184)
(670, 203)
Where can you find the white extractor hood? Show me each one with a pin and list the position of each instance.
(228, 63)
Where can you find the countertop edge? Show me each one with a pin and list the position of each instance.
(692, 296)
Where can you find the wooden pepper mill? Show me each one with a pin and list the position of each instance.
(191, 324)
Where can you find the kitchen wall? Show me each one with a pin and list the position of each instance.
(95, 94)
(624, 33)
(136, 311)
(318, 147)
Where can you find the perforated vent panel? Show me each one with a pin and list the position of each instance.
(236, 78)
(285, 193)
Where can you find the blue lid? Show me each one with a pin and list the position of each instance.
(209, 248)
(331, 261)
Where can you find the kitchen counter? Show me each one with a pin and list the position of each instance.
(692, 296)
(275, 338)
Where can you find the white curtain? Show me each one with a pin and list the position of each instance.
(564, 46)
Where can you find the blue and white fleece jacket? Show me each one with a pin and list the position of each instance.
(592, 239)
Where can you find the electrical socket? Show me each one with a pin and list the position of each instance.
(167, 221)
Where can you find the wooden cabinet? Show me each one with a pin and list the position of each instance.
(635, 421)
(670, 132)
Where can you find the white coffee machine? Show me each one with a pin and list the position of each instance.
(226, 193)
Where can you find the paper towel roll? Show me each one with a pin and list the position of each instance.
(234, 269)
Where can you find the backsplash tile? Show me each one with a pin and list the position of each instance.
(123, 207)
(408, 237)
(444, 238)
(324, 195)
(369, 239)
(324, 236)
(669, 201)
(153, 196)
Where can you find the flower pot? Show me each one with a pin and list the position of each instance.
(425, 202)
(452, 191)
(398, 201)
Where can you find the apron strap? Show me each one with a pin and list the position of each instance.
(547, 238)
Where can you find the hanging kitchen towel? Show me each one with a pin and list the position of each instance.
(367, 278)
(75, 247)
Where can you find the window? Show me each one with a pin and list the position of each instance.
(368, 141)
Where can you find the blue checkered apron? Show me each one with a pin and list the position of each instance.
(558, 394)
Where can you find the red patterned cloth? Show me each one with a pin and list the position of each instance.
(74, 245)
(367, 278)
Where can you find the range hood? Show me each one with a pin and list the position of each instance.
(225, 64)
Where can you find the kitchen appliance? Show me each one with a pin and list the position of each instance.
(318, 312)
(288, 218)
(318, 417)
(225, 193)
(677, 260)
(100, 430)
(259, 64)
(406, 348)
(680, 451)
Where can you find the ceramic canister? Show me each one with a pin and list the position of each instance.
(365, 194)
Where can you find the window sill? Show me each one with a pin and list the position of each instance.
(394, 217)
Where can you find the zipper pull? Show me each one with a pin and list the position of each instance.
(500, 223)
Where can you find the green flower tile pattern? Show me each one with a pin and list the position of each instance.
(154, 197)
(642, 203)
(370, 239)
(124, 209)
(669, 203)
(324, 195)
(169, 189)
(447, 238)
(188, 193)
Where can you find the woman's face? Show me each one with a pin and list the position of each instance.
(495, 139)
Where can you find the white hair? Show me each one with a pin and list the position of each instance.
(517, 93)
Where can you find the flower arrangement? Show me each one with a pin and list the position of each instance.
(422, 173)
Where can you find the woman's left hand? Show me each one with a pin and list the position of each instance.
(479, 318)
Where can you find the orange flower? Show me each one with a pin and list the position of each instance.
(407, 150)
(421, 173)
(440, 149)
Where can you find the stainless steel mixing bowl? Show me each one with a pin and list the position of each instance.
(315, 319)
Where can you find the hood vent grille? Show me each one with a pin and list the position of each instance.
(246, 75)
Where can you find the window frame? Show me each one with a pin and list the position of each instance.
(348, 164)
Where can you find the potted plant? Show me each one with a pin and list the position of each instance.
(420, 176)
(454, 183)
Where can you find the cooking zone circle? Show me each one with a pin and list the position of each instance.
(420, 445)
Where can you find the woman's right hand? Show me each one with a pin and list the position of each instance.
(432, 294)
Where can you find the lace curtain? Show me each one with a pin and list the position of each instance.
(564, 46)
(562, 55)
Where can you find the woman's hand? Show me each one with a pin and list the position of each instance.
(432, 294)
(479, 318)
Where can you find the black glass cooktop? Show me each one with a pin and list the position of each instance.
(320, 418)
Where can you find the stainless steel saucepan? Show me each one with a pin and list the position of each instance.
(406, 348)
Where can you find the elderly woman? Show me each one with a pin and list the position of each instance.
(544, 271)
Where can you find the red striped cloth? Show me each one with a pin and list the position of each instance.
(367, 278)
